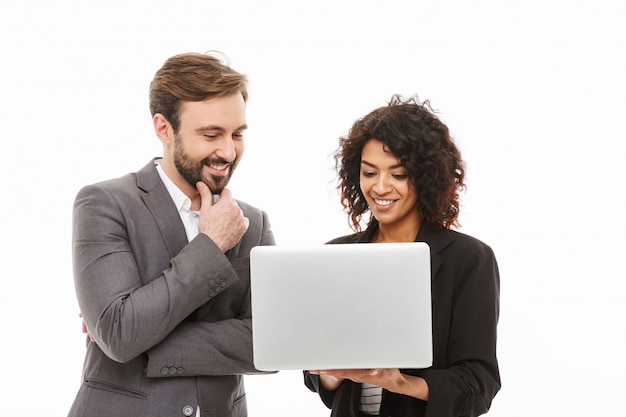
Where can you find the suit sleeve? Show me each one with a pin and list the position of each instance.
(219, 341)
(470, 382)
(313, 383)
(126, 315)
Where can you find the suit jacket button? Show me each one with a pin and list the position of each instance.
(164, 370)
(180, 371)
(172, 370)
(187, 410)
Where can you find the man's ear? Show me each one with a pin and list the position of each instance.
(163, 129)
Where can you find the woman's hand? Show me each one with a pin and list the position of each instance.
(330, 382)
(390, 379)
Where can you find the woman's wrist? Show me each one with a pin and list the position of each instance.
(413, 386)
(329, 382)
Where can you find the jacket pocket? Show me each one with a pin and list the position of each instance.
(116, 389)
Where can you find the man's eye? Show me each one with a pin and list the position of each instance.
(210, 137)
(237, 135)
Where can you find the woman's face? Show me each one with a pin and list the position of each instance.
(385, 184)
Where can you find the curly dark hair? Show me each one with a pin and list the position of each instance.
(410, 130)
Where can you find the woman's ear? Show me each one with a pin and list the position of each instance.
(163, 129)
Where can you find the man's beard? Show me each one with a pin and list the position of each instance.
(191, 170)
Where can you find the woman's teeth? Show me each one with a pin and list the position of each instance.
(383, 202)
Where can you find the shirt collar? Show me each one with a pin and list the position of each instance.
(182, 202)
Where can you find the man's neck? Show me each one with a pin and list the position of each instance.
(172, 173)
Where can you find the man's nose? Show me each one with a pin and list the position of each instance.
(226, 150)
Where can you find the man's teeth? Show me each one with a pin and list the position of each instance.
(383, 202)
(219, 167)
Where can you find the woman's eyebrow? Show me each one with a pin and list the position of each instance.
(364, 162)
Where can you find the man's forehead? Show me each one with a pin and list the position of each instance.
(218, 113)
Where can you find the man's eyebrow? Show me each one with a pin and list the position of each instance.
(210, 127)
(219, 128)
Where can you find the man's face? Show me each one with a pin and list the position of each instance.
(209, 143)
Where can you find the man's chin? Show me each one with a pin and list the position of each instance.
(216, 187)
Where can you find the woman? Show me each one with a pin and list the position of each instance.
(400, 173)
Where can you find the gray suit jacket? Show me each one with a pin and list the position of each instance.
(171, 318)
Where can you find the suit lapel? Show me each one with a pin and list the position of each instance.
(437, 240)
(163, 209)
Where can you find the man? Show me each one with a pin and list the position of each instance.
(161, 267)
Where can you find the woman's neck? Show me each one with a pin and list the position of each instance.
(405, 231)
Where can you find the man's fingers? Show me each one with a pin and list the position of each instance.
(205, 193)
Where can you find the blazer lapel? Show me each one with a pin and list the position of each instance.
(160, 204)
(437, 239)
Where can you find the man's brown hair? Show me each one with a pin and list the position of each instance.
(192, 77)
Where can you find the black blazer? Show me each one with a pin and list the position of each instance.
(464, 377)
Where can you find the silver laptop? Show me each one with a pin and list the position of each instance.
(341, 306)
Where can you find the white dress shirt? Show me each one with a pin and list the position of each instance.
(183, 204)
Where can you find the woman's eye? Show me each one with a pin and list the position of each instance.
(368, 173)
(401, 176)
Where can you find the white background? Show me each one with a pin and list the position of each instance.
(533, 92)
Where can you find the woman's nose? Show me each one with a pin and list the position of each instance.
(382, 184)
